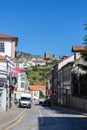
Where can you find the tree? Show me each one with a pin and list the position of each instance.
(41, 94)
(55, 61)
(84, 53)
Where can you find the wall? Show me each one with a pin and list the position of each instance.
(7, 49)
(13, 50)
(79, 103)
(21, 78)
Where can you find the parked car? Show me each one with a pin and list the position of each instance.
(41, 101)
(46, 103)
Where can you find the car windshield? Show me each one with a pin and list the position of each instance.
(25, 98)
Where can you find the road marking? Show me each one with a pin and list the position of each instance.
(8, 123)
(16, 122)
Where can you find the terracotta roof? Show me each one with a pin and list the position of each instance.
(78, 48)
(8, 37)
(33, 88)
(2, 57)
(37, 87)
(64, 57)
(43, 87)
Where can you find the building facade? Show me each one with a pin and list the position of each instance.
(21, 86)
(47, 55)
(79, 80)
(7, 55)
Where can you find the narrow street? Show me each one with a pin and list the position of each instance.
(45, 118)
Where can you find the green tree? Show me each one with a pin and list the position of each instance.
(84, 52)
(41, 94)
(55, 61)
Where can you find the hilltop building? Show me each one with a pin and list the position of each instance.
(47, 55)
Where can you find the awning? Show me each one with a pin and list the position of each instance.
(16, 70)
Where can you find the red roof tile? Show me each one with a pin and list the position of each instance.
(43, 87)
(37, 87)
(33, 88)
(8, 37)
(78, 48)
(64, 57)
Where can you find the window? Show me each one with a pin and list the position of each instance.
(22, 84)
(1, 47)
(22, 78)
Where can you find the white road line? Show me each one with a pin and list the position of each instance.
(13, 120)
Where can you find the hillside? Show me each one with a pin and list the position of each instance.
(38, 76)
(28, 56)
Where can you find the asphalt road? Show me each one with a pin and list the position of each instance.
(45, 118)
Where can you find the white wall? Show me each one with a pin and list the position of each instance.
(7, 48)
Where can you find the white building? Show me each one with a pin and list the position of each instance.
(22, 83)
(6, 64)
(7, 54)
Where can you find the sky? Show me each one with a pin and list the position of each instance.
(44, 25)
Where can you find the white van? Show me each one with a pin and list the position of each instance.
(25, 100)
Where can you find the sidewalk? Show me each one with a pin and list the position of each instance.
(78, 111)
(10, 116)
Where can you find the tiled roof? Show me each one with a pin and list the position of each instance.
(37, 87)
(78, 48)
(33, 88)
(64, 57)
(43, 87)
(8, 37)
(2, 57)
